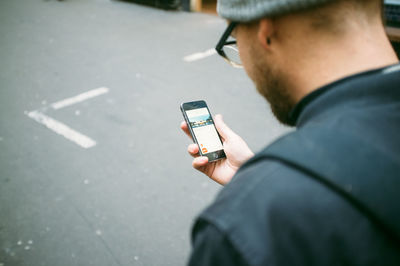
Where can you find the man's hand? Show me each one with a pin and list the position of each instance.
(236, 150)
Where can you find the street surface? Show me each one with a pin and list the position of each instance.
(93, 165)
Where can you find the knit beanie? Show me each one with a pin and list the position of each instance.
(248, 10)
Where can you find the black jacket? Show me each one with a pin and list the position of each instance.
(326, 194)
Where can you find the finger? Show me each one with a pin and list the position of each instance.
(185, 128)
(193, 149)
(222, 128)
(199, 162)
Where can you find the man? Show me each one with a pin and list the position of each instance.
(326, 194)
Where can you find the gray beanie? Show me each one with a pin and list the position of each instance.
(248, 10)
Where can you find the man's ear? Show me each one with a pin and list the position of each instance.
(265, 32)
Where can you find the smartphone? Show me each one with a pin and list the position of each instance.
(203, 131)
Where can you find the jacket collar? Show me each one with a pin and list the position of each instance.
(297, 116)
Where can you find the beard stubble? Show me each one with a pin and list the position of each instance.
(275, 87)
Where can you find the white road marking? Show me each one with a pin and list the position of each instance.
(79, 98)
(62, 129)
(198, 56)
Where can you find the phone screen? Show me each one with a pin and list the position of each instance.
(204, 130)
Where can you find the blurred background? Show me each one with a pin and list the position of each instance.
(93, 165)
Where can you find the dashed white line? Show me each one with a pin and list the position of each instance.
(79, 98)
(198, 56)
(62, 129)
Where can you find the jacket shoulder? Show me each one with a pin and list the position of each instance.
(275, 215)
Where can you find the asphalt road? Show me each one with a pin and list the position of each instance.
(131, 198)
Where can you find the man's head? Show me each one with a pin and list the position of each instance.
(289, 48)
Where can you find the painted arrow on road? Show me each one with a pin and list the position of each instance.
(61, 128)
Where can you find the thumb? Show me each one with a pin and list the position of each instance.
(222, 128)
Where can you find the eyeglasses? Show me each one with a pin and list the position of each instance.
(227, 47)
